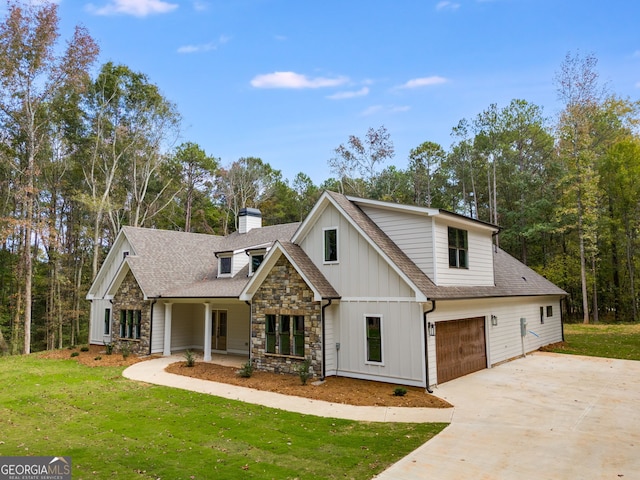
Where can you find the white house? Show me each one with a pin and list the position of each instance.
(360, 288)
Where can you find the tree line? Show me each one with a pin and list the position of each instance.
(82, 155)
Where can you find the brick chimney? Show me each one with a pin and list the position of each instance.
(248, 219)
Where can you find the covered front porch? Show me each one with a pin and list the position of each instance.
(211, 326)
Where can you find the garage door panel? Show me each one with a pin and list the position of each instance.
(460, 348)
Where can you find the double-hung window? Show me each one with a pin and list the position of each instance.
(285, 334)
(458, 248)
(330, 245)
(373, 330)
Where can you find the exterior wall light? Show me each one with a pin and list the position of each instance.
(494, 320)
(432, 329)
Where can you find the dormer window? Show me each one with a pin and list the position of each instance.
(458, 248)
(224, 265)
(256, 260)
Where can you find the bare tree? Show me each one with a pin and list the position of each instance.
(363, 158)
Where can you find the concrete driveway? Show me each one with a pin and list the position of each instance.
(545, 416)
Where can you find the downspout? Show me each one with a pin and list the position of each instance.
(426, 344)
(562, 303)
(250, 326)
(151, 324)
(324, 353)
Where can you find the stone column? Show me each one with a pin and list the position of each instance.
(207, 332)
(167, 329)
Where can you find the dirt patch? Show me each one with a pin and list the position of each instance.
(344, 390)
(96, 356)
(349, 391)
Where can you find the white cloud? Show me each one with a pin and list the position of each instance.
(294, 80)
(203, 47)
(446, 5)
(350, 94)
(137, 8)
(374, 109)
(638, 85)
(200, 6)
(423, 82)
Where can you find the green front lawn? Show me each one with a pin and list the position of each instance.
(116, 428)
(602, 340)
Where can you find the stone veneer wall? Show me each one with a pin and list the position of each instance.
(284, 292)
(130, 297)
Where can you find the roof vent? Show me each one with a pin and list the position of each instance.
(248, 219)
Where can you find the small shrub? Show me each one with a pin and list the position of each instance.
(98, 358)
(75, 354)
(246, 370)
(303, 371)
(109, 348)
(400, 392)
(125, 350)
(84, 349)
(190, 358)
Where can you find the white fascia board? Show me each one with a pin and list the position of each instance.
(395, 206)
(311, 218)
(258, 277)
(110, 258)
(272, 257)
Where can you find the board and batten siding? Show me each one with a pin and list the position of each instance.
(360, 271)
(402, 342)
(503, 340)
(98, 305)
(413, 233)
(331, 323)
(157, 328)
(480, 254)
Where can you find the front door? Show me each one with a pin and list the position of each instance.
(219, 329)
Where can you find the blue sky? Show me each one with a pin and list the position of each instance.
(288, 81)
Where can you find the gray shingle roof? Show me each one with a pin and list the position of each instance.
(512, 277)
(183, 265)
(179, 264)
(309, 270)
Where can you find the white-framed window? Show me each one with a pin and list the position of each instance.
(330, 245)
(255, 260)
(458, 248)
(224, 265)
(373, 339)
(285, 334)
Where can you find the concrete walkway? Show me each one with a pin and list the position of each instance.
(152, 371)
(545, 416)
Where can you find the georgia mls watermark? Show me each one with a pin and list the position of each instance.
(35, 468)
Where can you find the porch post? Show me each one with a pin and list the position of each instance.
(207, 332)
(167, 329)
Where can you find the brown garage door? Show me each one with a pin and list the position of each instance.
(460, 348)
